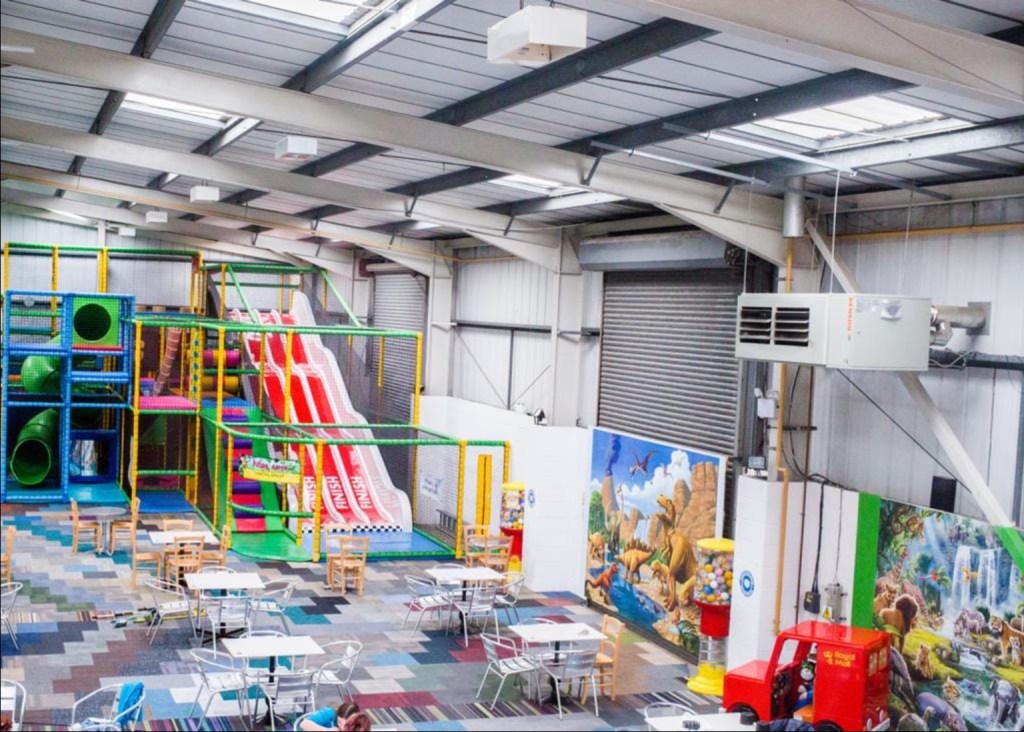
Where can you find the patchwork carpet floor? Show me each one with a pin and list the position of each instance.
(409, 680)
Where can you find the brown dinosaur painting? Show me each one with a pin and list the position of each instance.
(633, 557)
(676, 550)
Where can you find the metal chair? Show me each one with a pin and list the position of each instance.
(12, 700)
(217, 678)
(576, 665)
(111, 719)
(8, 597)
(512, 663)
(425, 597)
(658, 710)
(284, 690)
(452, 584)
(508, 596)
(479, 604)
(274, 601)
(170, 602)
(337, 672)
(225, 615)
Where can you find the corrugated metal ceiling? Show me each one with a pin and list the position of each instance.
(438, 62)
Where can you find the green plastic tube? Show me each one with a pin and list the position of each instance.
(32, 456)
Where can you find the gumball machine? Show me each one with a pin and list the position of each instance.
(513, 506)
(712, 592)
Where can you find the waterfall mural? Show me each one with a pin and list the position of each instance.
(649, 504)
(952, 599)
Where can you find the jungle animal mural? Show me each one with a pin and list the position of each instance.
(650, 502)
(952, 599)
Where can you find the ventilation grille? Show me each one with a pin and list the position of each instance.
(775, 326)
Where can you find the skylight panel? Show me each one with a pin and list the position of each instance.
(339, 17)
(334, 12)
(537, 186)
(176, 110)
(853, 118)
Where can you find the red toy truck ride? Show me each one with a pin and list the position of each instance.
(851, 683)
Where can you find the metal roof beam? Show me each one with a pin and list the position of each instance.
(762, 105)
(854, 33)
(157, 25)
(989, 166)
(648, 40)
(344, 54)
(282, 227)
(338, 118)
(999, 133)
(536, 245)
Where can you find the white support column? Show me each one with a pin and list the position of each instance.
(566, 340)
(438, 338)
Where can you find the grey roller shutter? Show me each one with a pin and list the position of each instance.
(399, 303)
(668, 369)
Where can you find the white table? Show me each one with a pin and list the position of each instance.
(224, 581)
(104, 516)
(708, 723)
(557, 634)
(164, 538)
(271, 647)
(449, 575)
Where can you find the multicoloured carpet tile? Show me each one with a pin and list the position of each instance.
(80, 626)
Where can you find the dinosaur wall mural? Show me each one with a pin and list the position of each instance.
(649, 504)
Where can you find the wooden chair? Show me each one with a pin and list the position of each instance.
(495, 553)
(219, 556)
(156, 557)
(126, 525)
(183, 556)
(7, 560)
(608, 657)
(89, 527)
(349, 561)
(473, 537)
(177, 524)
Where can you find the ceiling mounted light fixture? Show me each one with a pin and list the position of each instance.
(156, 217)
(295, 148)
(198, 194)
(537, 35)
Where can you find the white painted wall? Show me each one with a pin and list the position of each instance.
(552, 461)
(758, 523)
(856, 445)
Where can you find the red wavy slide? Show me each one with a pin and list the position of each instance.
(357, 489)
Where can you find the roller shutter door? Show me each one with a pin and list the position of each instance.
(399, 303)
(667, 364)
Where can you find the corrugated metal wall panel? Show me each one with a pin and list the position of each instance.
(480, 369)
(506, 290)
(856, 445)
(667, 364)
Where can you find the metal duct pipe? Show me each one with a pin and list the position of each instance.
(793, 213)
(971, 317)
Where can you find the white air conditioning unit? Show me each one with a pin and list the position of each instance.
(537, 35)
(295, 147)
(128, 231)
(198, 194)
(881, 332)
(156, 217)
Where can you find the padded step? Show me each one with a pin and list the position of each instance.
(250, 525)
(245, 488)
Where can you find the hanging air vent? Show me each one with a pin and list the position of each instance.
(203, 193)
(537, 35)
(295, 148)
(883, 332)
(156, 217)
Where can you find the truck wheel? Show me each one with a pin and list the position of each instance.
(828, 727)
(743, 709)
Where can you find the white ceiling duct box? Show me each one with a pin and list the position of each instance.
(537, 35)
(295, 147)
(203, 193)
(156, 217)
(126, 230)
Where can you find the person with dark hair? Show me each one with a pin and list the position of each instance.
(347, 717)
